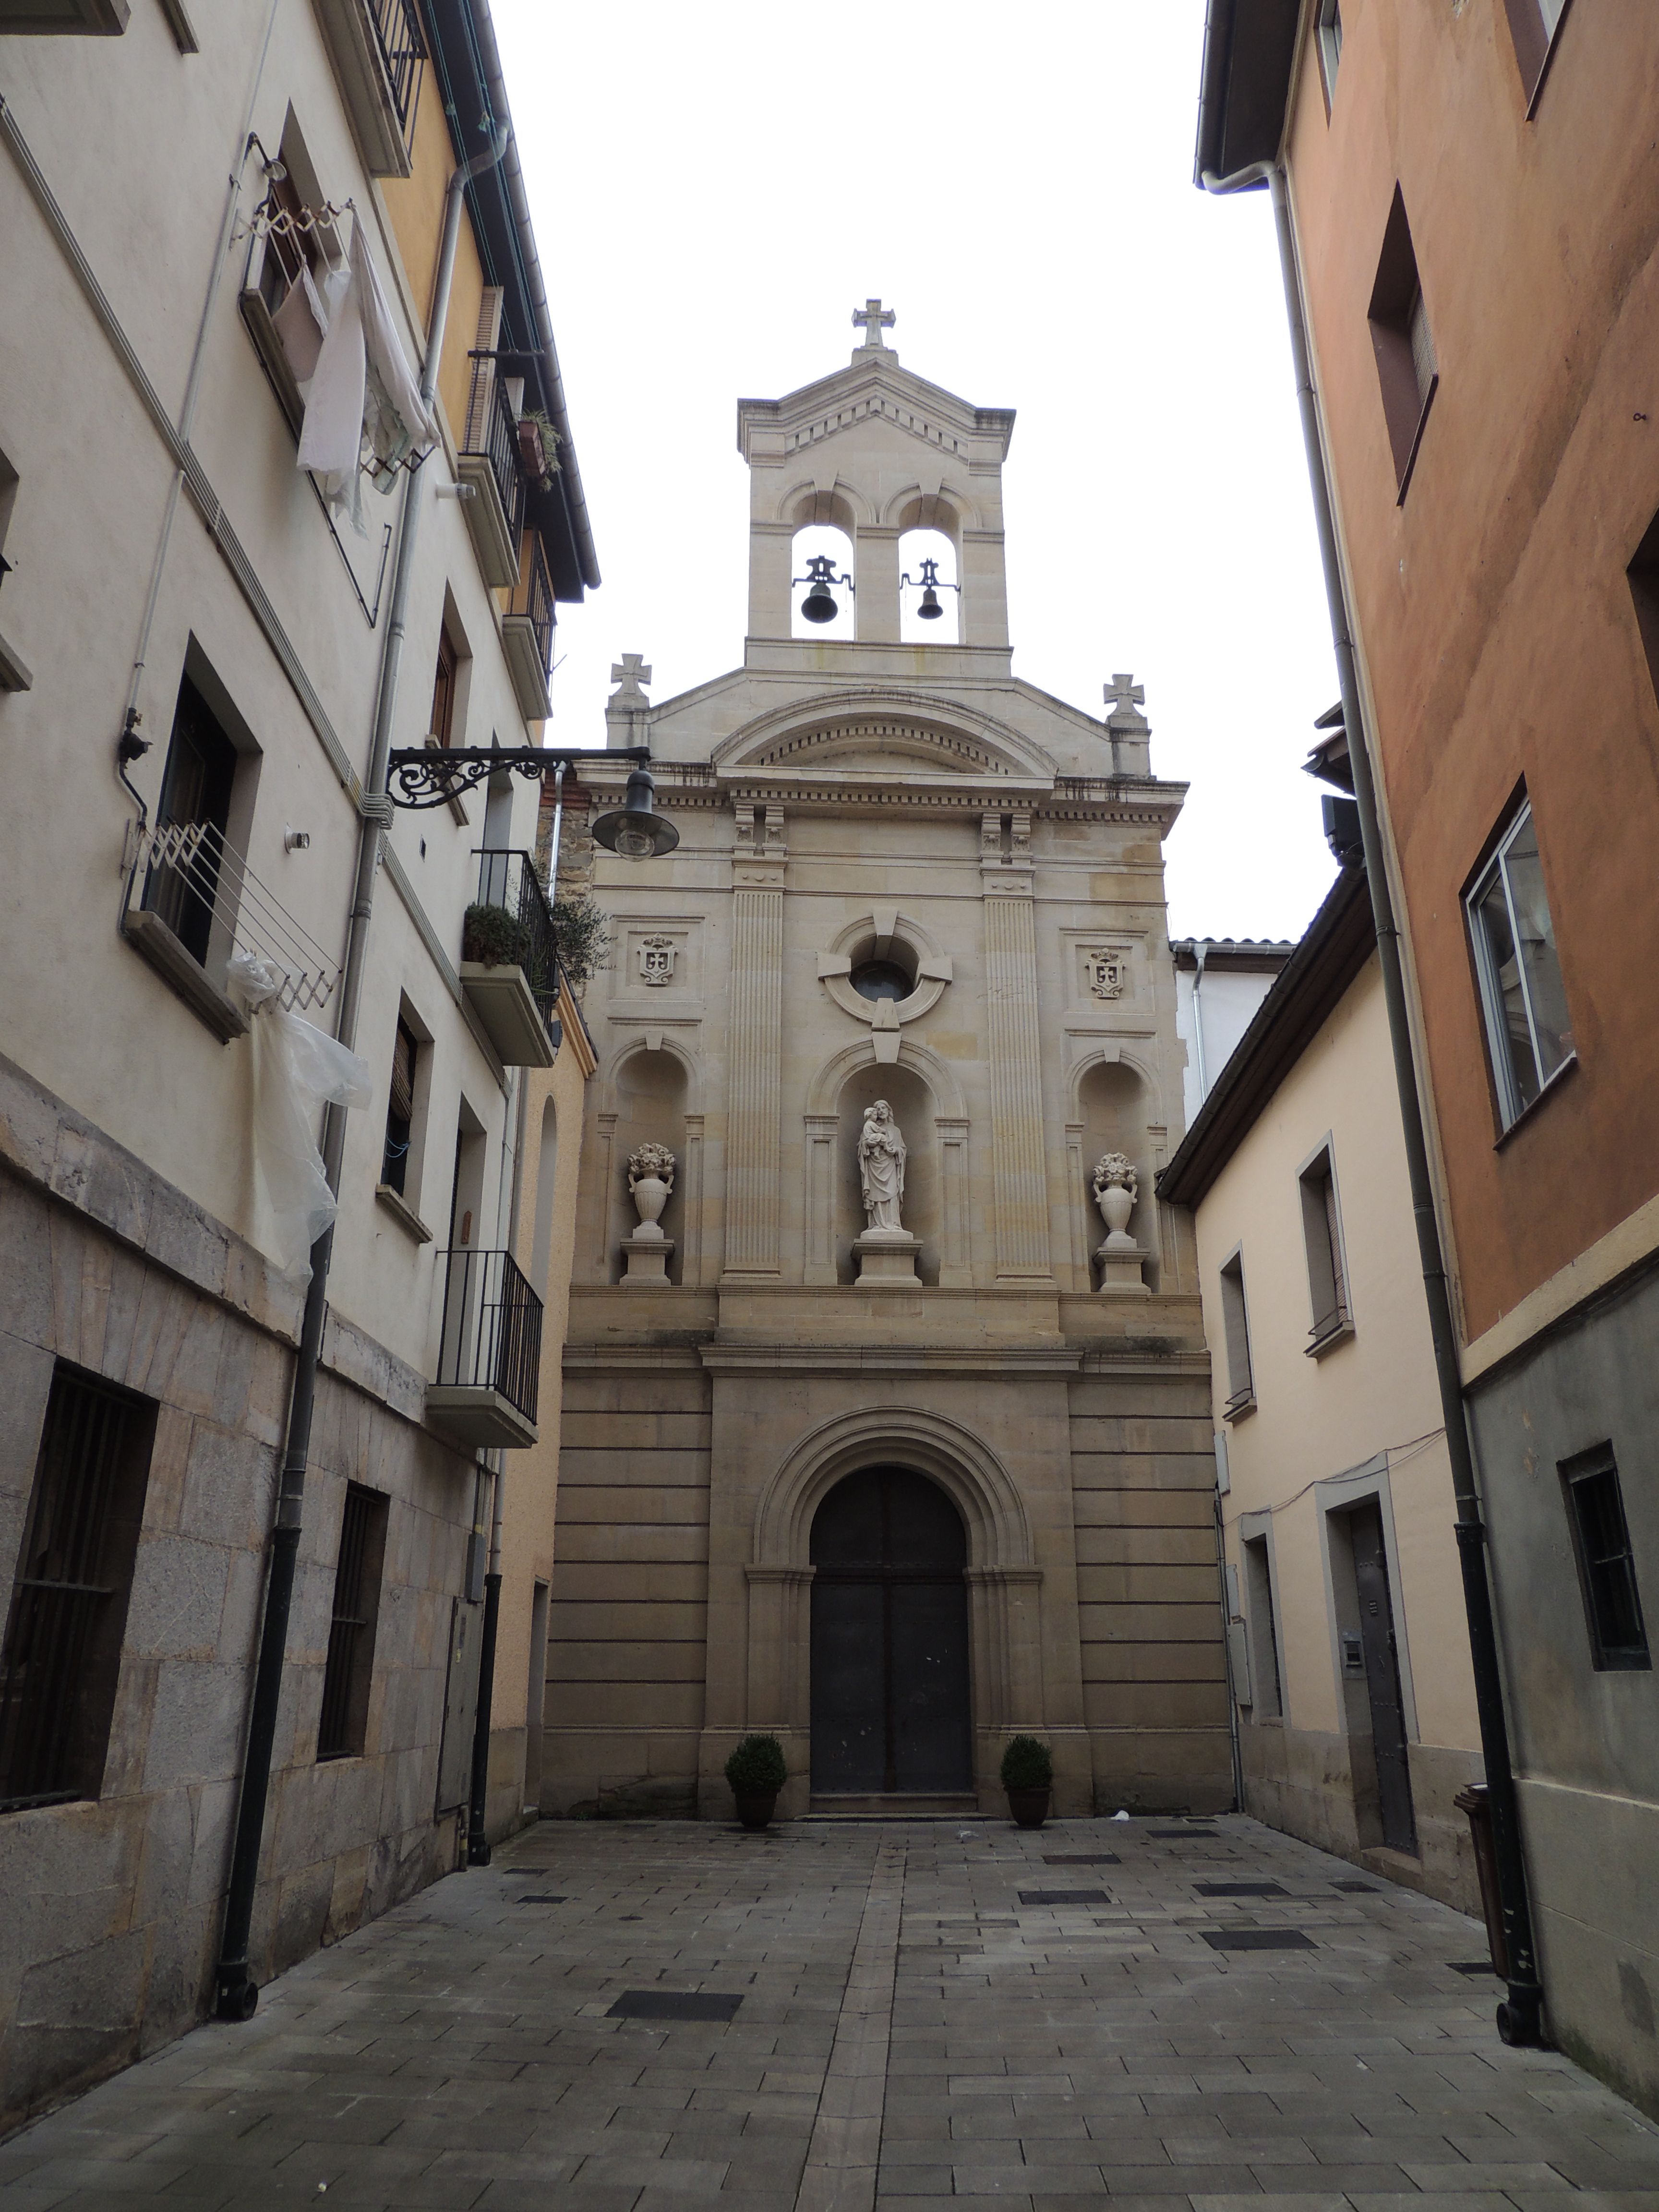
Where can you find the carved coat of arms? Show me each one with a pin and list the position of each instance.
(657, 959)
(1105, 969)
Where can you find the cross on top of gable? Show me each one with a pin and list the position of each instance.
(630, 673)
(875, 319)
(1122, 691)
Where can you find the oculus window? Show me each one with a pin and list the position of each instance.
(1529, 1034)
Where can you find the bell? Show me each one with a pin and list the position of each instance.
(819, 605)
(930, 608)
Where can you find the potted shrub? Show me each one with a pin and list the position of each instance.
(494, 937)
(756, 1772)
(1028, 1775)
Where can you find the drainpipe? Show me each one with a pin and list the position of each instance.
(239, 1993)
(1200, 953)
(477, 1841)
(1520, 2020)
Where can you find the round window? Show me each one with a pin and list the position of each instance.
(882, 978)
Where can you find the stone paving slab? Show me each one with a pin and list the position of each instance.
(910, 2032)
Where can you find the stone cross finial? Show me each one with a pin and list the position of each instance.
(630, 672)
(876, 319)
(1123, 693)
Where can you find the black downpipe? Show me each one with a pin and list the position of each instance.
(477, 1843)
(1520, 2020)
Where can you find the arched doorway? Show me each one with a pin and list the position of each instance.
(891, 1706)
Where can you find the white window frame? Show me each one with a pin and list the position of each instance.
(1511, 1103)
(1235, 1337)
(1325, 1248)
(1327, 25)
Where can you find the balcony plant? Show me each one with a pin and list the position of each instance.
(757, 1772)
(1028, 1775)
(494, 937)
(583, 937)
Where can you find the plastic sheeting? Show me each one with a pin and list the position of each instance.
(363, 402)
(297, 1070)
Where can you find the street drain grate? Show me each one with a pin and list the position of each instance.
(540, 1897)
(673, 2004)
(1064, 1897)
(1359, 1888)
(1240, 1889)
(1257, 1939)
(1472, 1966)
(1183, 1835)
(1081, 1858)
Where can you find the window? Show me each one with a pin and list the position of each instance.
(1263, 1628)
(1606, 1571)
(1643, 588)
(1322, 1233)
(13, 673)
(62, 1654)
(1241, 1386)
(1528, 1031)
(443, 689)
(400, 1109)
(1406, 362)
(1328, 22)
(196, 793)
(344, 1725)
(1533, 27)
(99, 18)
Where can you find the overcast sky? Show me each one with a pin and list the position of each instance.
(716, 188)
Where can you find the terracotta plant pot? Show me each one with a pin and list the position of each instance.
(1029, 1807)
(756, 1810)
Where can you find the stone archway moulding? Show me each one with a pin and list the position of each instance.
(652, 1041)
(963, 1465)
(879, 1048)
(1007, 752)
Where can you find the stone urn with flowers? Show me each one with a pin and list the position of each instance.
(650, 1185)
(1116, 1187)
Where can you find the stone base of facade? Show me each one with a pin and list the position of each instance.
(1315, 1786)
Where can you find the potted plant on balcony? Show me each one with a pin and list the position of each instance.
(494, 937)
(757, 1772)
(1028, 1775)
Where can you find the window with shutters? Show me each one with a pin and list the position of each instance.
(342, 1725)
(1407, 366)
(62, 1655)
(1322, 1235)
(1240, 1383)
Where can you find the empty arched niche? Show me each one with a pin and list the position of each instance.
(914, 1110)
(1113, 1099)
(650, 1110)
(929, 605)
(547, 1177)
(826, 540)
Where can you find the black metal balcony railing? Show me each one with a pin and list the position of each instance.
(398, 27)
(492, 430)
(512, 925)
(532, 600)
(492, 1332)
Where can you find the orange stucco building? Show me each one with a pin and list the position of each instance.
(1473, 200)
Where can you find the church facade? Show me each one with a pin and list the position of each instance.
(885, 1423)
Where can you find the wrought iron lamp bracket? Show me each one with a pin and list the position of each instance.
(422, 776)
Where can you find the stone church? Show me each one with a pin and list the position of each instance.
(885, 1423)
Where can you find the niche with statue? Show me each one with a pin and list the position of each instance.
(647, 1203)
(1117, 1196)
(888, 1199)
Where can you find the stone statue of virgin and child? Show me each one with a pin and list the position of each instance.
(881, 1168)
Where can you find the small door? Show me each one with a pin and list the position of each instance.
(460, 1706)
(889, 1639)
(1394, 1781)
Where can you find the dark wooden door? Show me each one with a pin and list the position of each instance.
(889, 1639)
(1394, 1781)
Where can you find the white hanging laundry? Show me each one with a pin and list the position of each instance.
(301, 323)
(296, 1069)
(364, 404)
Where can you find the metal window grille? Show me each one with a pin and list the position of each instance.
(398, 27)
(342, 1724)
(492, 429)
(532, 600)
(62, 1646)
(492, 1328)
(1607, 1566)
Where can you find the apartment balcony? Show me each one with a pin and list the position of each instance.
(377, 53)
(489, 463)
(491, 1356)
(527, 633)
(510, 961)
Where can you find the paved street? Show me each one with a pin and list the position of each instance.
(1036, 2018)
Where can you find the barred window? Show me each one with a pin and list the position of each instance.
(342, 1727)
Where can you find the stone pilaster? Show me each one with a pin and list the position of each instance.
(1018, 1169)
(754, 1129)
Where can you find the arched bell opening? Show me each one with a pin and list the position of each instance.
(930, 606)
(650, 1110)
(821, 590)
(892, 1707)
(1114, 1102)
(916, 1112)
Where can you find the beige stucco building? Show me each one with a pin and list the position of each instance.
(889, 1501)
(1350, 1663)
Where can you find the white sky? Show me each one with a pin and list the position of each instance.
(716, 188)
